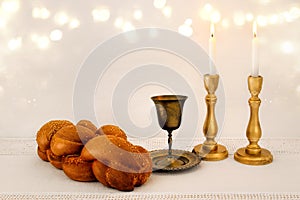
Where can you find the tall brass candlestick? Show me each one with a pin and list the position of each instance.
(253, 154)
(210, 150)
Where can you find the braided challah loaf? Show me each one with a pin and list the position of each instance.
(87, 154)
(59, 138)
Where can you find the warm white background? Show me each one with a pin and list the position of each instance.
(38, 69)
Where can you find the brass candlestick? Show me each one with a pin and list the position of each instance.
(210, 150)
(253, 154)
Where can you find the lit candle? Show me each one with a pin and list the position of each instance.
(212, 49)
(254, 52)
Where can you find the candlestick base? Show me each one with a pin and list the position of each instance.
(262, 158)
(219, 152)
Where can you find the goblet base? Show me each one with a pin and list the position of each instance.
(171, 162)
(179, 160)
(218, 153)
(263, 158)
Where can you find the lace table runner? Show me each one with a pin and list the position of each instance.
(22, 174)
(151, 196)
(278, 146)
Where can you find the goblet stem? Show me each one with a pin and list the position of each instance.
(170, 144)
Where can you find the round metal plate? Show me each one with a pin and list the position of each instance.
(182, 160)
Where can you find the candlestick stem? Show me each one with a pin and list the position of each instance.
(253, 154)
(210, 150)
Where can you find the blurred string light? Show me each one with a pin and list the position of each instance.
(101, 15)
(14, 44)
(31, 101)
(137, 14)
(7, 9)
(249, 17)
(10, 6)
(225, 23)
(288, 17)
(208, 8)
(294, 12)
(119, 22)
(56, 35)
(42, 42)
(167, 11)
(159, 4)
(285, 16)
(186, 29)
(239, 18)
(207, 13)
(215, 17)
(127, 26)
(74, 23)
(188, 21)
(40, 13)
(273, 19)
(61, 18)
(262, 20)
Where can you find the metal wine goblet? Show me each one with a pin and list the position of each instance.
(169, 112)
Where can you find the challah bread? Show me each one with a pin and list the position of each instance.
(45, 134)
(55, 160)
(59, 138)
(111, 130)
(86, 130)
(77, 169)
(99, 171)
(118, 163)
(66, 141)
(42, 154)
(86, 153)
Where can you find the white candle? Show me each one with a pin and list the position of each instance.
(255, 68)
(212, 49)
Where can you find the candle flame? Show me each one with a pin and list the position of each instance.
(254, 29)
(212, 30)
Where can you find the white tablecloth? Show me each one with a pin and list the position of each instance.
(25, 176)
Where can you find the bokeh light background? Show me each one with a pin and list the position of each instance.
(43, 44)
